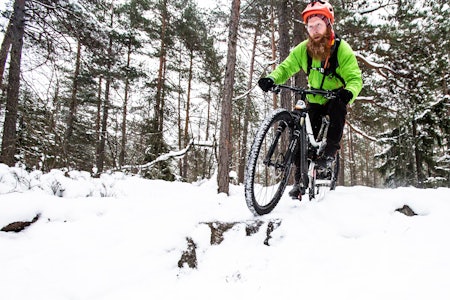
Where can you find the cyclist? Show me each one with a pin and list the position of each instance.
(315, 57)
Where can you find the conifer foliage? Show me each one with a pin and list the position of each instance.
(144, 86)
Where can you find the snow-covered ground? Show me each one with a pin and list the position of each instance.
(125, 239)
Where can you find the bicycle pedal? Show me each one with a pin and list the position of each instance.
(323, 174)
(299, 197)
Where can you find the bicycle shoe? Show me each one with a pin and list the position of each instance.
(295, 193)
(325, 162)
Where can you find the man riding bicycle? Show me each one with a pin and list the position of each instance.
(330, 64)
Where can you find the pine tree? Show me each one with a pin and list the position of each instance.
(255, 19)
(225, 143)
(192, 31)
(410, 157)
(12, 98)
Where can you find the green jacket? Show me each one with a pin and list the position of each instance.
(347, 68)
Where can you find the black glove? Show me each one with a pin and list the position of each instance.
(266, 83)
(344, 95)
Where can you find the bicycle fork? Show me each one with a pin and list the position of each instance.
(293, 143)
(323, 132)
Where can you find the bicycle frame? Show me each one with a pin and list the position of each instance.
(301, 107)
(270, 159)
(302, 118)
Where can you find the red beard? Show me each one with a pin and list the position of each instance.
(319, 46)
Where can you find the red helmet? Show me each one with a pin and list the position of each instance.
(318, 8)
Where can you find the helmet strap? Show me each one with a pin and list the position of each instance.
(332, 37)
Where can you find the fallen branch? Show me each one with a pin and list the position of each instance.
(164, 157)
(167, 156)
(19, 226)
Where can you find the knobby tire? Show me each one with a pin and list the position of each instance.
(265, 181)
(302, 155)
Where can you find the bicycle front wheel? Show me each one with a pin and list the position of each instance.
(269, 163)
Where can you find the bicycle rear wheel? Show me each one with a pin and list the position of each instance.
(302, 158)
(319, 187)
(269, 163)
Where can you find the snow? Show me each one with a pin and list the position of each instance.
(351, 245)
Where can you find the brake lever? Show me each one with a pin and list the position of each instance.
(331, 95)
(276, 89)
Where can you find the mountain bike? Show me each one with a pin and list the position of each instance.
(284, 138)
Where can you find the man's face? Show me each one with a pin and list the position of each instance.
(316, 28)
(318, 46)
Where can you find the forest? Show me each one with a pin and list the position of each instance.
(167, 89)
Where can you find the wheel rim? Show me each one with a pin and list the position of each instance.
(269, 178)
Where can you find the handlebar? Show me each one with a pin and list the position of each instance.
(303, 92)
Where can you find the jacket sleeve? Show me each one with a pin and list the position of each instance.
(291, 65)
(349, 69)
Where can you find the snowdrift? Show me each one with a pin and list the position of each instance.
(121, 237)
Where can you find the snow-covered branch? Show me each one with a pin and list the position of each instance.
(372, 101)
(245, 94)
(167, 156)
(253, 87)
(381, 69)
(163, 157)
(360, 132)
(375, 7)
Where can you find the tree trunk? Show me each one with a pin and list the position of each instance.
(159, 107)
(351, 155)
(283, 50)
(247, 110)
(157, 123)
(418, 156)
(6, 45)
(103, 131)
(368, 166)
(284, 45)
(12, 96)
(125, 111)
(188, 107)
(206, 163)
(274, 50)
(180, 128)
(225, 144)
(72, 106)
(99, 109)
(299, 35)
(342, 157)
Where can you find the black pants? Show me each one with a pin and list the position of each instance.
(337, 112)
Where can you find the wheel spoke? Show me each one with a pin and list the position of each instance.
(268, 164)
